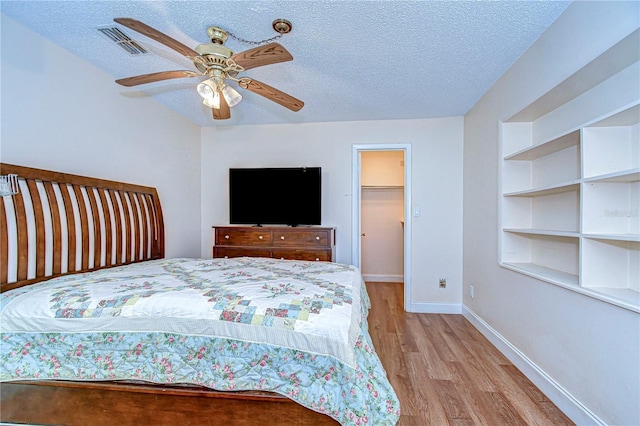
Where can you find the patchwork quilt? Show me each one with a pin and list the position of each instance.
(291, 327)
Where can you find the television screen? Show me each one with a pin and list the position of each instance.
(275, 196)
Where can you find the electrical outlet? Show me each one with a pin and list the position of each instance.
(471, 291)
(443, 283)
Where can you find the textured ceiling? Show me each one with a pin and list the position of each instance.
(353, 60)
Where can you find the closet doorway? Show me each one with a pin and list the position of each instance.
(381, 226)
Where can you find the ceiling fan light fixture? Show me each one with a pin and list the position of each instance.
(210, 91)
(231, 95)
(213, 102)
(207, 89)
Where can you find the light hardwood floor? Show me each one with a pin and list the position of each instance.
(445, 372)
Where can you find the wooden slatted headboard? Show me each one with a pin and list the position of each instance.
(61, 224)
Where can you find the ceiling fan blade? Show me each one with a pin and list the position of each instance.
(223, 112)
(156, 76)
(272, 94)
(268, 54)
(156, 35)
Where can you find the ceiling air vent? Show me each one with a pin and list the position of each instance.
(116, 35)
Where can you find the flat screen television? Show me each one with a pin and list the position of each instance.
(275, 196)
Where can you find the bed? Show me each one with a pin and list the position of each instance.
(97, 326)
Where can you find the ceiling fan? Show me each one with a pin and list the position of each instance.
(219, 64)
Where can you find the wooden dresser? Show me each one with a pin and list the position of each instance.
(279, 242)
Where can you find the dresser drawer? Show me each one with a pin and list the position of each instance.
(241, 252)
(242, 237)
(301, 254)
(306, 238)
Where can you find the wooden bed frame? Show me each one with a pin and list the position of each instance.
(64, 224)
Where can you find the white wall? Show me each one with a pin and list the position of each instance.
(436, 146)
(586, 350)
(61, 113)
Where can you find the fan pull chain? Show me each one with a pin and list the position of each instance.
(256, 43)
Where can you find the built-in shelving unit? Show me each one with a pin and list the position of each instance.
(570, 204)
(570, 181)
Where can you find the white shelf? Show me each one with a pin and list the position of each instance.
(545, 168)
(552, 208)
(629, 299)
(544, 273)
(549, 232)
(546, 148)
(547, 190)
(626, 298)
(614, 237)
(542, 250)
(631, 175)
(626, 117)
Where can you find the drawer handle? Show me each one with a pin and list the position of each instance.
(317, 238)
(317, 259)
(260, 237)
(226, 237)
(282, 238)
(282, 258)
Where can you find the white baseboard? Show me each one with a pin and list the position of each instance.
(383, 278)
(435, 308)
(566, 402)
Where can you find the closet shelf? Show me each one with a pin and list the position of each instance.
(382, 186)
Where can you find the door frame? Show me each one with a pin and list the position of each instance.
(356, 226)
